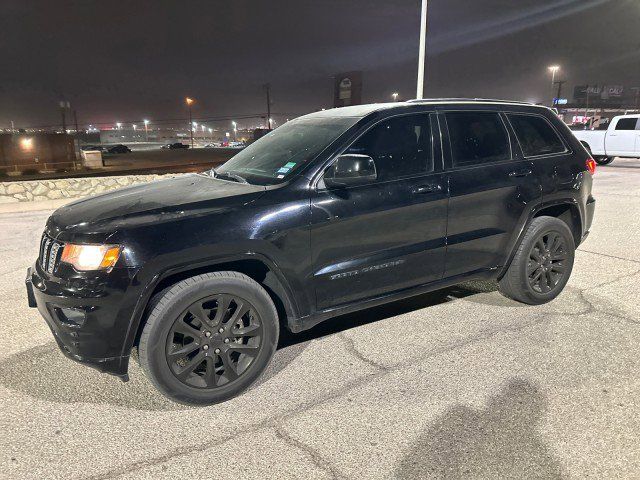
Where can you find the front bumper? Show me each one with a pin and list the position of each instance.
(89, 317)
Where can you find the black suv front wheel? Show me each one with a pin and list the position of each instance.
(209, 337)
(542, 264)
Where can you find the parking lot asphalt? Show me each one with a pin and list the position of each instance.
(457, 383)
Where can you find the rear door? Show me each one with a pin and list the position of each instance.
(622, 137)
(491, 188)
(372, 239)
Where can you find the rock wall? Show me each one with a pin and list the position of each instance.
(39, 190)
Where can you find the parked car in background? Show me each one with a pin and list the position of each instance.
(620, 139)
(332, 212)
(119, 149)
(174, 146)
(87, 148)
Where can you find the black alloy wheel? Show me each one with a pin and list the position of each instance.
(209, 337)
(214, 341)
(542, 262)
(546, 267)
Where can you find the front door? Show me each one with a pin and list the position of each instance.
(621, 139)
(490, 190)
(388, 235)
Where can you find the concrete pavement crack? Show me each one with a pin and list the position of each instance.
(276, 421)
(609, 256)
(316, 458)
(351, 348)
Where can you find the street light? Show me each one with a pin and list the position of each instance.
(395, 96)
(118, 125)
(146, 130)
(189, 101)
(235, 130)
(553, 69)
(422, 50)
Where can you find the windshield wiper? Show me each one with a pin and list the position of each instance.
(227, 176)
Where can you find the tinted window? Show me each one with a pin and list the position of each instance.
(477, 137)
(536, 135)
(399, 146)
(626, 124)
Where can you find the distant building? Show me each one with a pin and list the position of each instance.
(606, 96)
(36, 151)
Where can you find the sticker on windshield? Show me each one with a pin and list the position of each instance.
(290, 165)
(283, 170)
(280, 176)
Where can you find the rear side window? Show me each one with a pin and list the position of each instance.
(477, 138)
(536, 135)
(626, 124)
(400, 146)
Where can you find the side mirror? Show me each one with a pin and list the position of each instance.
(349, 170)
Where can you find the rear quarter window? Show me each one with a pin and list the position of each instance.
(536, 135)
(477, 138)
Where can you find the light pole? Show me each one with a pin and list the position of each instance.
(235, 131)
(422, 50)
(395, 96)
(146, 130)
(553, 69)
(189, 102)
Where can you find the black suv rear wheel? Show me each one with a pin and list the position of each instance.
(542, 264)
(209, 337)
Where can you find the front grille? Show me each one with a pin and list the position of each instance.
(50, 251)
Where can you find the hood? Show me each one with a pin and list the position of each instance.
(151, 202)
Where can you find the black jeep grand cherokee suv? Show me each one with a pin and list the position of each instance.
(332, 212)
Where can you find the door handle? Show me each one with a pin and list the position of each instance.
(430, 188)
(521, 173)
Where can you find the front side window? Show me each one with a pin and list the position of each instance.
(536, 136)
(477, 138)
(278, 155)
(626, 124)
(400, 146)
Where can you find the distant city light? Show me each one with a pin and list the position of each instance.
(227, 134)
(203, 128)
(395, 96)
(211, 130)
(189, 101)
(118, 125)
(146, 122)
(134, 127)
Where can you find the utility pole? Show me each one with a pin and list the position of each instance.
(189, 102)
(422, 50)
(63, 111)
(75, 120)
(267, 88)
(559, 83)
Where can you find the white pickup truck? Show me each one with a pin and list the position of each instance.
(621, 139)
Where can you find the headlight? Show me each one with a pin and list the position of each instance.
(90, 257)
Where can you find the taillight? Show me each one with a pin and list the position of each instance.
(591, 165)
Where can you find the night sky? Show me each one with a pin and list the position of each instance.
(138, 59)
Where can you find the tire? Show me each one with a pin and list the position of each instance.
(532, 261)
(208, 338)
(603, 160)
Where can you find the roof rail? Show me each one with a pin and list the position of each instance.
(491, 100)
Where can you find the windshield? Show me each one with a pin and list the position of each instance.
(279, 154)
